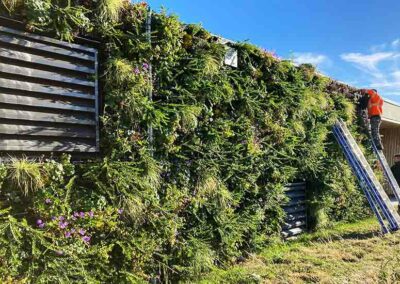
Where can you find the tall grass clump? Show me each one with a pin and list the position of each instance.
(26, 175)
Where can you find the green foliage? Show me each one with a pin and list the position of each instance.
(210, 187)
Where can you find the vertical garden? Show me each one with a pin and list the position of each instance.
(207, 190)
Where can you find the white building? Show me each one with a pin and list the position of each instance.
(391, 129)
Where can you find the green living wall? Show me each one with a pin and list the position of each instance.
(207, 191)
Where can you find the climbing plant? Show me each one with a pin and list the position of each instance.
(207, 189)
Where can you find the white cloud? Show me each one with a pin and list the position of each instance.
(380, 69)
(378, 47)
(396, 43)
(309, 57)
(394, 94)
(385, 84)
(396, 75)
(368, 61)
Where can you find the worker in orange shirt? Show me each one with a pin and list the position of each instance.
(373, 102)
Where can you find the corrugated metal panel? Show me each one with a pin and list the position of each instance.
(48, 94)
(296, 210)
(391, 143)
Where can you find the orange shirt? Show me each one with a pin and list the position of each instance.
(375, 104)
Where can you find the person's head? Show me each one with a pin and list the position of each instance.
(397, 158)
(372, 92)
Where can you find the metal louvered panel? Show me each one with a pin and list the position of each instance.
(296, 210)
(48, 94)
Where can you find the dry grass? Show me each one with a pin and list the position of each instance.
(352, 253)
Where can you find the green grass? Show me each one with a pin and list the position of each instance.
(345, 253)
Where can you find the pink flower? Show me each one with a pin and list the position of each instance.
(63, 225)
(86, 239)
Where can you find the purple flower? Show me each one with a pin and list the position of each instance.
(82, 232)
(53, 218)
(145, 66)
(40, 223)
(73, 218)
(67, 234)
(90, 214)
(86, 239)
(82, 214)
(120, 211)
(73, 230)
(61, 218)
(47, 201)
(136, 71)
(63, 225)
(76, 214)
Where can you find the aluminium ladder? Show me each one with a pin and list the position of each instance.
(380, 203)
(387, 171)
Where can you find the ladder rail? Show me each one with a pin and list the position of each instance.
(387, 171)
(385, 165)
(371, 175)
(364, 187)
(376, 188)
(372, 200)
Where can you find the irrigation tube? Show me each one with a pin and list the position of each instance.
(150, 96)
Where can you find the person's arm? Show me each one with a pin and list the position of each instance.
(363, 102)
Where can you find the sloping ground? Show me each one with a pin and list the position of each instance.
(350, 253)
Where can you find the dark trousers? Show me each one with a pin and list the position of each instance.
(375, 122)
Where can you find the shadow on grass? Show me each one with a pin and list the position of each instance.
(359, 231)
(361, 236)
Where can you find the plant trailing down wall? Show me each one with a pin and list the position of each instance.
(226, 141)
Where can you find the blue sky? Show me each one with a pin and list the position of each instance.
(354, 41)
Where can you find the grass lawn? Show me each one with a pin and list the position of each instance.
(347, 253)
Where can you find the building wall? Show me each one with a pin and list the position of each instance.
(391, 112)
(391, 142)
